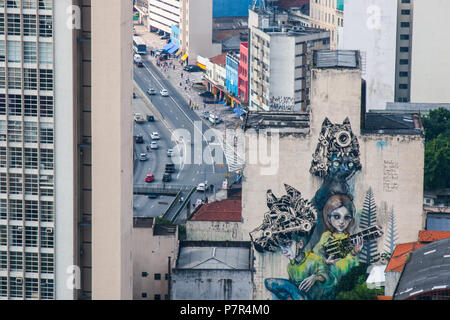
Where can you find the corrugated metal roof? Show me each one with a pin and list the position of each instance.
(216, 258)
(428, 269)
(336, 59)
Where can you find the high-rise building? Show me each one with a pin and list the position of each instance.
(279, 58)
(50, 175)
(328, 15)
(382, 31)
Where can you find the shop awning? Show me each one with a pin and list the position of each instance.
(173, 49)
(179, 52)
(168, 46)
(201, 65)
(184, 57)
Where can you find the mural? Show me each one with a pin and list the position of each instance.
(315, 267)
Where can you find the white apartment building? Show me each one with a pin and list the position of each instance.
(279, 63)
(46, 166)
(382, 31)
(162, 14)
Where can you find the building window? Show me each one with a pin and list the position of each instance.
(46, 185)
(46, 132)
(47, 288)
(157, 297)
(144, 274)
(45, 53)
(31, 262)
(31, 158)
(15, 210)
(31, 288)
(3, 260)
(404, 61)
(45, 4)
(144, 295)
(15, 157)
(406, 1)
(31, 236)
(3, 209)
(14, 78)
(157, 276)
(46, 211)
(15, 261)
(3, 286)
(406, 12)
(47, 239)
(166, 297)
(403, 86)
(403, 74)
(15, 287)
(29, 25)
(31, 184)
(30, 132)
(29, 52)
(15, 183)
(404, 37)
(15, 131)
(47, 159)
(404, 24)
(166, 276)
(31, 210)
(15, 104)
(3, 186)
(16, 236)
(46, 106)
(2, 77)
(13, 24)
(45, 26)
(30, 80)
(3, 235)
(46, 79)
(2, 50)
(14, 51)
(404, 49)
(47, 263)
(30, 103)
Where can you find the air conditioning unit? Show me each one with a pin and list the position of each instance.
(19, 280)
(49, 230)
(19, 228)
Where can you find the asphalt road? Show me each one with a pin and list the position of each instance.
(181, 129)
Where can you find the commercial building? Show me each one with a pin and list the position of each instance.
(58, 231)
(279, 61)
(232, 74)
(155, 247)
(328, 15)
(382, 31)
(387, 148)
(162, 14)
(243, 72)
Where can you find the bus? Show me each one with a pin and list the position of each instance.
(139, 45)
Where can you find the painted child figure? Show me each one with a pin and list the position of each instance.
(338, 215)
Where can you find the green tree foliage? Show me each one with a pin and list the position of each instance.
(437, 149)
(353, 285)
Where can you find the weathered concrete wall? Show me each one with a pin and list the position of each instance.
(392, 165)
(211, 285)
(214, 231)
(150, 254)
(392, 279)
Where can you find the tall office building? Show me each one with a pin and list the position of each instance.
(328, 15)
(50, 176)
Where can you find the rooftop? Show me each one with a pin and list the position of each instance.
(214, 255)
(428, 269)
(394, 123)
(285, 121)
(219, 60)
(225, 210)
(430, 235)
(401, 254)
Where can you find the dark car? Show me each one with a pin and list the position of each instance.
(139, 139)
(192, 68)
(206, 94)
(167, 177)
(170, 167)
(205, 115)
(150, 118)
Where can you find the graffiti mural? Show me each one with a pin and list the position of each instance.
(289, 225)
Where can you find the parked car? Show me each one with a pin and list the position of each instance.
(170, 167)
(139, 139)
(143, 157)
(150, 118)
(154, 145)
(138, 118)
(201, 187)
(138, 60)
(206, 94)
(154, 135)
(149, 178)
(192, 68)
(169, 152)
(164, 92)
(151, 91)
(167, 177)
(205, 115)
(214, 119)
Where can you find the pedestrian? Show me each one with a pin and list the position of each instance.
(204, 106)
(190, 102)
(185, 88)
(173, 67)
(182, 74)
(181, 84)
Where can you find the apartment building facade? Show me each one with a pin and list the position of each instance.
(162, 14)
(328, 15)
(46, 164)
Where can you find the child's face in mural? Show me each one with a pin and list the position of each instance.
(341, 167)
(289, 249)
(340, 218)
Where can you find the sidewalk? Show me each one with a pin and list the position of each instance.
(177, 77)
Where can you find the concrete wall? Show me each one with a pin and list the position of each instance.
(151, 254)
(392, 165)
(211, 285)
(371, 27)
(430, 52)
(391, 281)
(112, 163)
(214, 231)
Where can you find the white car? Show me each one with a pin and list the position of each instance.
(164, 92)
(154, 145)
(155, 135)
(143, 157)
(201, 187)
(170, 152)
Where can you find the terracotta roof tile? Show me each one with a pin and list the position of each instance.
(430, 236)
(221, 59)
(400, 255)
(225, 210)
(384, 298)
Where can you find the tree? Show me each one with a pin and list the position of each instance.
(353, 285)
(369, 252)
(437, 150)
(391, 236)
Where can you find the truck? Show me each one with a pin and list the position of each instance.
(138, 60)
(139, 118)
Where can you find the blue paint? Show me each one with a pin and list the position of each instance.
(381, 144)
(231, 8)
(231, 82)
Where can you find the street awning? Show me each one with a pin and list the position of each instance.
(178, 52)
(173, 49)
(201, 65)
(184, 57)
(168, 46)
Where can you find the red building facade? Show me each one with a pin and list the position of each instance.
(243, 72)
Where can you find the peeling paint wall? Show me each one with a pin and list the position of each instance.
(214, 231)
